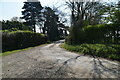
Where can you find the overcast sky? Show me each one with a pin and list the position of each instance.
(12, 8)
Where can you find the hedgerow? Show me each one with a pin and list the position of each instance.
(102, 33)
(21, 39)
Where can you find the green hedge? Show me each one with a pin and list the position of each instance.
(21, 39)
(102, 33)
(98, 33)
(110, 51)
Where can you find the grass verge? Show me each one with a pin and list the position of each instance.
(110, 51)
(14, 51)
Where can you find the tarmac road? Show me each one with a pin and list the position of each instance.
(51, 61)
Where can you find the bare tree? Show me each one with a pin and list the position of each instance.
(84, 12)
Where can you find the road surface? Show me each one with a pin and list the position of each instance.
(51, 61)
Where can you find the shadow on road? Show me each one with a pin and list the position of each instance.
(60, 41)
(100, 68)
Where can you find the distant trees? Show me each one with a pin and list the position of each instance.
(50, 23)
(32, 13)
(45, 17)
(113, 17)
(13, 25)
(14, 19)
(116, 14)
(52, 26)
(83, 14)
(116, 22)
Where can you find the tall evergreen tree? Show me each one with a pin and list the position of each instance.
(51, 24)
(32, 13)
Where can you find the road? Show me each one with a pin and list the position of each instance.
(51, 61)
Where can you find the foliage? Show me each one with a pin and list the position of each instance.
(47, 19)
(110, 51)
(51, 24)
(21, 39)
(85, 12)
(13, 25)
(32, 13)
(76, 36)
(92, 13)
(102, 33)
(14, 51)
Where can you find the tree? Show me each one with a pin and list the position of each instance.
(83, 14)
(61, 23)
(85, 11)
(116, 22)
(113, 16)
(51, 24)
(32, 13)
(16, 19)
(13, 25)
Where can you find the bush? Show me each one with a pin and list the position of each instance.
(97, 33)
(21, 39)
(14, 25)
(111, 51)
(76, 36)
(102, 33)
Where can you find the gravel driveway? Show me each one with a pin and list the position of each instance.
(51, 61)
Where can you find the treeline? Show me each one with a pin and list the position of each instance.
(94, 22)
(18, 34)
(95, 29)
(14, 25)
(49, 20)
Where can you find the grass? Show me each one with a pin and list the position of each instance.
(110, 51)
(14, 51)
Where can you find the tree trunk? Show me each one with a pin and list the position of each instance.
(34, 28)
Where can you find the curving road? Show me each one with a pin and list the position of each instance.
(51, 61)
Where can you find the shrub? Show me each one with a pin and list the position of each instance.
(102, 33)
(21, 39)
(76, 37)
(111, 51)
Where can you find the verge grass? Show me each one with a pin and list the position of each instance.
(14, 51)
(110, 51)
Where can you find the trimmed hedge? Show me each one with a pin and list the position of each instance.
(102, 33)
(21, 39)
(110, 51)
